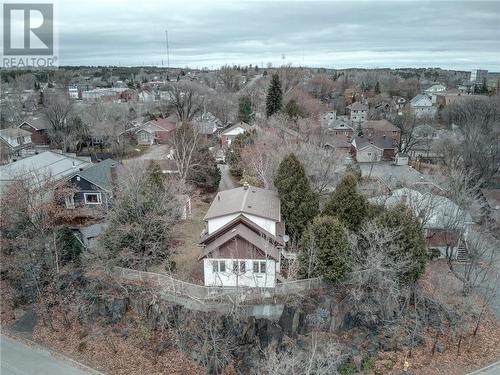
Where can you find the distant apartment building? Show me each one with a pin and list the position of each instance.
(478, 75)
(73, 91)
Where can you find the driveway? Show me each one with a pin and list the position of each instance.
(21, 359)
(226, 180)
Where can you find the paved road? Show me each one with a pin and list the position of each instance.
(493, 369)
(226, 181)
(17, 358)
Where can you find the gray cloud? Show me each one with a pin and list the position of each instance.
(460, 35)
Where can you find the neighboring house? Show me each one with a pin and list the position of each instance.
(358, 112)
(208, 124)
(422, 106)
(243, 238)
(15, 144)
(160, 130)
(433, 90)
(446, 225)
(340, 128)
(42, 168)
(382, 128)
(73, 92)
(94, 184)
(146, 96)
(399, 103)
(228, 135)
(374, 148)
(38, 127)
(328, 118)
(338, 144)
(128, 95)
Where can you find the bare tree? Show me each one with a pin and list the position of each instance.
(229, 77)
(58, 108)
(186, 99)
(184, 143)
(322, 357)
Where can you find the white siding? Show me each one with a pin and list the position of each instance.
(234, 132)
(369, 154)
(229, 278)
(219, 222)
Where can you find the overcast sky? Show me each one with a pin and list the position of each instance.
(448, 34)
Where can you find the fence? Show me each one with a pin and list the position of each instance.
(203, 293)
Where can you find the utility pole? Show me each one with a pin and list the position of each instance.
(168, 52)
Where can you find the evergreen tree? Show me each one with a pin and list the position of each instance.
(274, 96)
(245, 109)
(377, 88)
(484, 87)
(347, 203)
(410, 242)
(68, 246)
(292, 109)
(324, 250)
(299, 204)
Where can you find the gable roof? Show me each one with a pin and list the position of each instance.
(380, 142)
(252, 200)
(8, 134)
(249, 223)
(241, 230)
(381, 126)
(38, 123)
(420, 97)
(99, 174)
(240, 124)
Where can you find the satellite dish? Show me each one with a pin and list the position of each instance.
(286, 238)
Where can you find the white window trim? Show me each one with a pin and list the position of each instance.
(99, 198)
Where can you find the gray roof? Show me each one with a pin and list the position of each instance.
(39, 168)
(13, 133)
(358, 106)
(418, 97)
(252, 200)
(381, 142)
(39, 122)
(99, 174)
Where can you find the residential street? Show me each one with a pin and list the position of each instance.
(18, 358)
(493, 369)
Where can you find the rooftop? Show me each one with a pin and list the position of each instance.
(381, 126)
(42, 167)
(251, 200)
(14, 133)
(100, 174)
(358, 106)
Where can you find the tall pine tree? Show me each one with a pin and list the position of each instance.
(245, 109)
(274, 96)
(324, 250)
(347, 204)
(299, 204)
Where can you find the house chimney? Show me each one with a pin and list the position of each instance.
(245, 186)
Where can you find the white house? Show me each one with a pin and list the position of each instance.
(358, 112)
(243, 239)
(422, 106)
(434, 90)
(230, 133)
